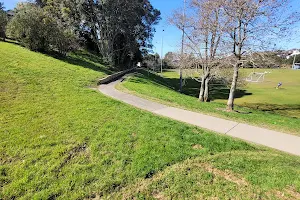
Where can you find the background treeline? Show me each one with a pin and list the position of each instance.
(119, 31)
(270, 60)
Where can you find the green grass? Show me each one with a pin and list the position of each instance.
(264, 96)
(261, 96)
(62, 140)
(164, 90)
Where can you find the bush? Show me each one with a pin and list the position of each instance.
(37, 30)
(28, 26)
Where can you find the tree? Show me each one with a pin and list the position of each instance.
(38, 30)
(169, 60)
(124, 31)
(152, 61)
(29, 28)
(3, 21)
(252, 24)
(117, 29)
(203, 29)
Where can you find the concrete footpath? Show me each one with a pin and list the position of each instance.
(273, 139)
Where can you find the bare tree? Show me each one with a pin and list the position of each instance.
(203, 29)
(253, 23)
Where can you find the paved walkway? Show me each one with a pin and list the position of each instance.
(273, 139)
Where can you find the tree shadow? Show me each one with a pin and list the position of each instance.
(291, 110)
(192, 87)
(85, 59)
(12, 42)
(217, 91)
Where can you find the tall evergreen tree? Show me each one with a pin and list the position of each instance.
(3, 21)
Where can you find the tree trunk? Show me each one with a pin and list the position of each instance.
(206, 91)
(202, 88)
(230, 103)
(180, 81)
(206, 74)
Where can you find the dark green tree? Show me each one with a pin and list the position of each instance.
(3, 21)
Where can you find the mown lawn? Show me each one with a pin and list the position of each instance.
(61, 139)
(165, 90)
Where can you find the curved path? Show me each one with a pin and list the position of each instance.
(273, 139)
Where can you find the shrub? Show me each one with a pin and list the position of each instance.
(38, 30)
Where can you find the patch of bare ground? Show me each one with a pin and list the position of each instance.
(143, 185)
(159, 196)
(197, 146)
(292, 191)
(158, 186)
(226, 174)
(289, 193)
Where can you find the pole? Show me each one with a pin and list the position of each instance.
(182, 45)
(294, 61)
(161, 54)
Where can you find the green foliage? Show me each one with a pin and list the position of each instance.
(127, 30)
(169, 60)
(30, 26)
(37, 30)
(3, 21)
(102, 26)
(152, 61)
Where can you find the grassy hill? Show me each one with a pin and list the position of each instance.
(60, 139)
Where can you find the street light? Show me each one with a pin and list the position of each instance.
(182, 44)
(161, 54)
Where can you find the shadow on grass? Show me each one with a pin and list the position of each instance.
(87, 60)
(286, 110)
(191, 87)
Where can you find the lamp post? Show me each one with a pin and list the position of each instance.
(161, 53)
(182, 44)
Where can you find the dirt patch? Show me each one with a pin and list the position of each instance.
(226, 174)
(133, 134)
(289, 193)
(159, 196)
(93, 197)
(292, 191)
(197, 146)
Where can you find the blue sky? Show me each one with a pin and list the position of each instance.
(172, 35)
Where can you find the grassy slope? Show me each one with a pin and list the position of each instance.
(157, 88)
(62, 140)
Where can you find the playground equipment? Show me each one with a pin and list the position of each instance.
(256, 77)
